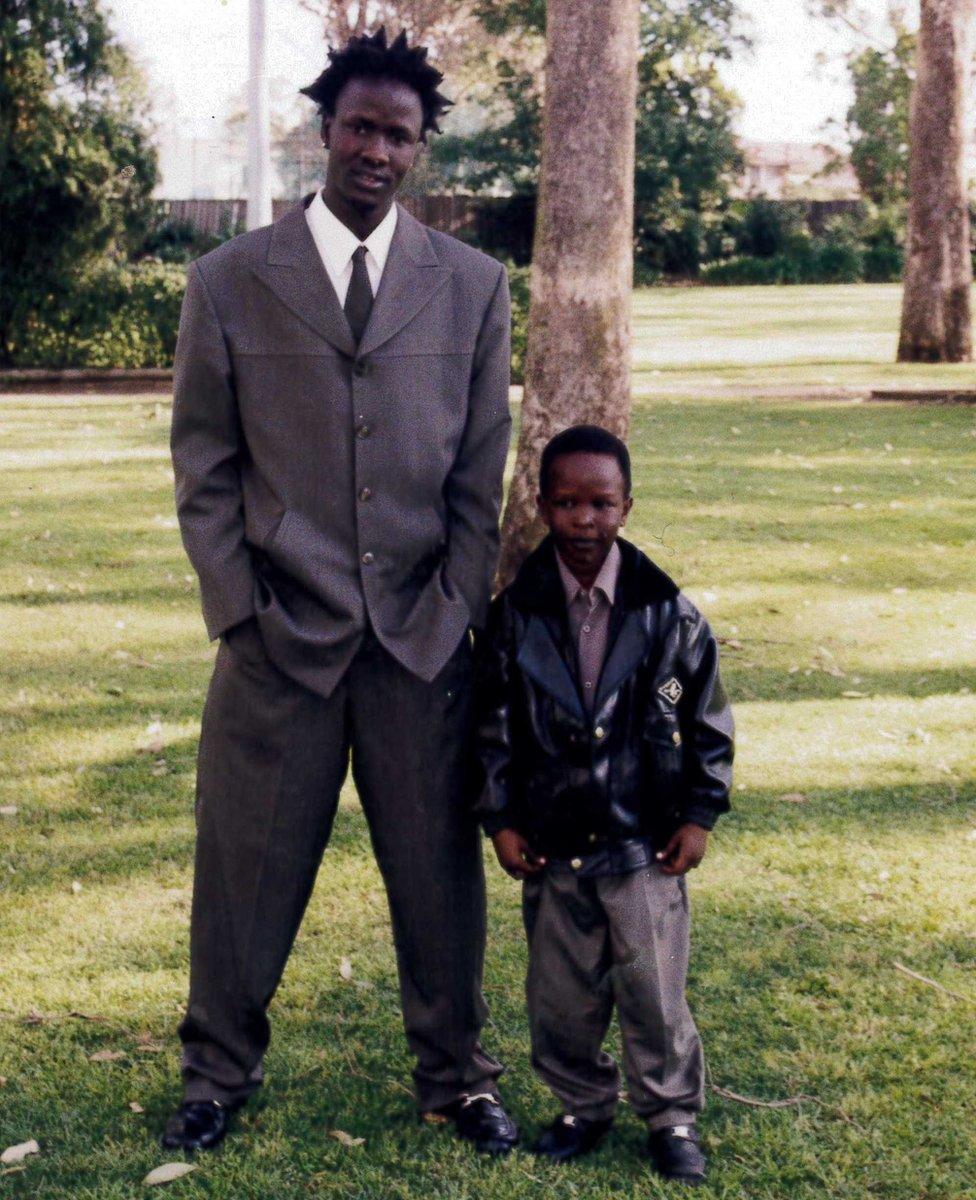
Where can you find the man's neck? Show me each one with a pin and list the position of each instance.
(360, 224)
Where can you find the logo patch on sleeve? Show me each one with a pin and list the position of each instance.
(672, 690)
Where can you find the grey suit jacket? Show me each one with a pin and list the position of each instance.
(324, 488)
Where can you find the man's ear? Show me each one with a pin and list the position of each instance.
(324, 129)
(628, 505)
(542, 509)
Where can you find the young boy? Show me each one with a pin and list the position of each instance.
(606, 740)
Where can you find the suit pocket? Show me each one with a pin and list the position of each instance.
(300, 550)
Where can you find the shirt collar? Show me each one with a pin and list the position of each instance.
(605, 582)
(337, 242)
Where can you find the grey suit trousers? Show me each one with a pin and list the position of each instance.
(603, 941)
(273, 756)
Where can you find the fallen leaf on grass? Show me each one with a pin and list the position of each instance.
(346, 1139)
(36, 1018)
(793, 798)
(16, 1154)
(106, 1056)
(345, 969)
(3, 1078)
(75, 886)
(730, 643)
(167, 1173)
(135, 1107)
(8, 810)
(850, 694)
(83, 1016)
(153, 743)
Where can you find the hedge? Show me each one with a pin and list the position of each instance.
(117, 315)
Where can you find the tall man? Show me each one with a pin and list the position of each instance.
(340, 425)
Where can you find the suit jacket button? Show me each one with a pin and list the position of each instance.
(367, 558)
(362, 431)
(361, 368)
(592, 838)
(365, 493)
(599, 732)
(676, 738)
(576, 863)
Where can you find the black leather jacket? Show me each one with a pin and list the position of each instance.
(656, 751)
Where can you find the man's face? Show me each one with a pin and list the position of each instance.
(372, 138)
(584, 506)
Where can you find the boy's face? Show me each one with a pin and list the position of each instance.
(584, 506)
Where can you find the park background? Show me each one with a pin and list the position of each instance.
(827, 533)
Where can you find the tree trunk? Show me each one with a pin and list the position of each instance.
(578, 357)
(935, 316)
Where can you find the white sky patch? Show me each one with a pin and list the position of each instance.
(194, 53)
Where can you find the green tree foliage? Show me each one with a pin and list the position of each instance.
(686, 156)
(877, 121)
(77, 165)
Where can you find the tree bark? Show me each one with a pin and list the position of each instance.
(578, 357)
(936, 325)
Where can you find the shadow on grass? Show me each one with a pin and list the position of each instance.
(746, 683)
(146, 822)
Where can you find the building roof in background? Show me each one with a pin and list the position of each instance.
(796, 171)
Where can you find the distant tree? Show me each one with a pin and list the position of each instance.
(936, 322)
(76, 160)
(686, 155)
(443, 26)
(877, 121)
(578, 366)
(687, 158)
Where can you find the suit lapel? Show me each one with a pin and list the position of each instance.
(294, 272)
(411, 277)
(540, 659)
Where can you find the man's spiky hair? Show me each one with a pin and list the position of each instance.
(370, 57)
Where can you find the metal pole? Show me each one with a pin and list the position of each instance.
(258, 137)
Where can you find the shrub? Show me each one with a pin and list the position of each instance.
(883, 264)
(115, 316)
(174, 241)
(518, 282)
(747, 269)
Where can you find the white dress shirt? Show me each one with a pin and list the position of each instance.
(336, 244)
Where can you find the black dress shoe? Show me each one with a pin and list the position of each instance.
(676, 1154)
(199, 1125)
(569, 1137)
(482, 1121)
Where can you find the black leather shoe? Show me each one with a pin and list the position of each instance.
(677, 1155)
(482, 1120)
(569, 1137)
(199, 1125)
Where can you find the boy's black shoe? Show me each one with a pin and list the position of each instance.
(676, 1154)
(569, 1137)
(198, 1125)
(482, 1121)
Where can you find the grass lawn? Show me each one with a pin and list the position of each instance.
(831, 541)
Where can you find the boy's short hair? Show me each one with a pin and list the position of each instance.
(583, 439)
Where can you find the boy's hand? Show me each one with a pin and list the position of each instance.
(685, 850)
(515, 854)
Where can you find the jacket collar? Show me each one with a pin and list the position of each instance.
(546, 653)
(537, 587)
(294, 271)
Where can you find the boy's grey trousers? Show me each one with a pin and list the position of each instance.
(605, 940)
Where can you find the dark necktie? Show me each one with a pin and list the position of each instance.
(359, 298)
